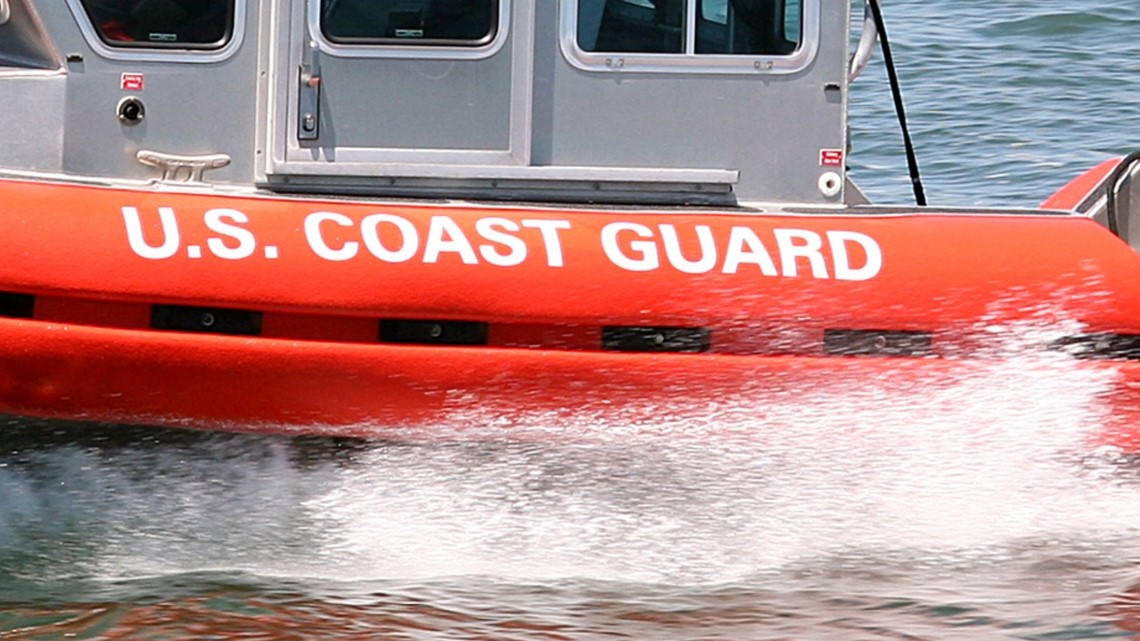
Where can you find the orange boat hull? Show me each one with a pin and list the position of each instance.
(86, 269)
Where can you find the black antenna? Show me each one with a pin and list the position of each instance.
(911, 158)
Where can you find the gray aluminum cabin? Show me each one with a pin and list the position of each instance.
(623, 101)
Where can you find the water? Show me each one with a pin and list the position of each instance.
(967, 510)
(1007, 101)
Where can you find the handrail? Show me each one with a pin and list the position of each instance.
(1112, 185)
(866, 47)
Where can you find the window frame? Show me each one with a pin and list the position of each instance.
(161, 51)
(690, 62)
(398, 48)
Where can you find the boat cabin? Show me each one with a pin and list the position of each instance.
(604, 101)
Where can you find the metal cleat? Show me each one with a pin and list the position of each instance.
(179, 168)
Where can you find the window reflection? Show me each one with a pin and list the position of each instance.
(464, 22)
(194, 24)
(747, 27)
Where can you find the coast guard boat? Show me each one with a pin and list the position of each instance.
(354, 216)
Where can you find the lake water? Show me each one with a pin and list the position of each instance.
(967, 511)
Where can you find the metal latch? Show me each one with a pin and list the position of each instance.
(179, 168)
(309, 93)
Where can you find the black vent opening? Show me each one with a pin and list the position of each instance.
(1100, 346)
(17, 305)
(433, 332)
(858, 342)
(209, 320)
(656, 339)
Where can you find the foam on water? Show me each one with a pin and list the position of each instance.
(892, 470)
(964, 467)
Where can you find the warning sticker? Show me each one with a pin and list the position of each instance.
(831, 157)
(131, 82)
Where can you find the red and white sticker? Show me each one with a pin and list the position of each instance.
(831, 157)
(131, 82)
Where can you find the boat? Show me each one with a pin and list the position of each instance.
(361, 217)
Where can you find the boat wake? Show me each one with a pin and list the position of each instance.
(975, 490)
(773, 479)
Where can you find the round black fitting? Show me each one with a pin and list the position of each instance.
(131, 111)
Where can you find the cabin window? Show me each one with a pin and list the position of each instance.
(687, 34)
(175, 24)
(748, 27)
(410, 22)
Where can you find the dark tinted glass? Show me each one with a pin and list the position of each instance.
(185, 24)
(747, 27)
(632, 26)
(761, 27)
(463, 22)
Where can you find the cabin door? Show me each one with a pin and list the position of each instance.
(366, 89)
